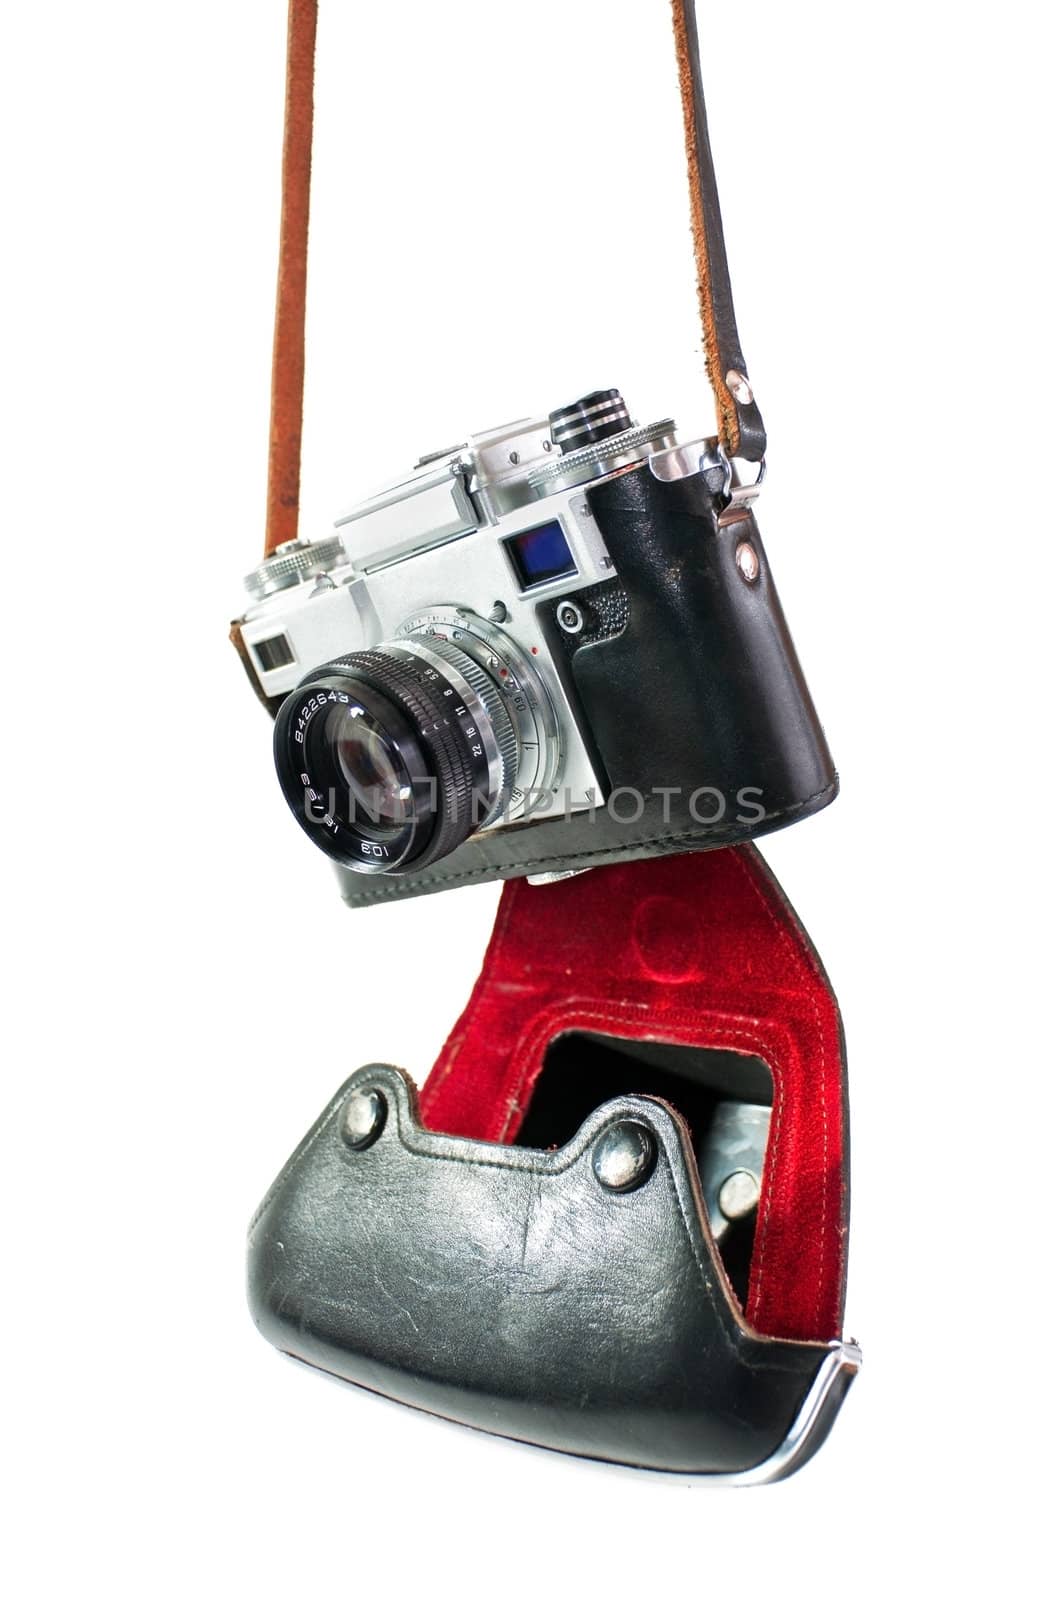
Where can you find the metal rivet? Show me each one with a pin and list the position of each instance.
(363, 1119)
(739, 387)
(513, 456)
(747, 561)
(624, 1156)
(570, 617)
(739, 1195)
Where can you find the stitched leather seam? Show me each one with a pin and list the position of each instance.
(549, 1024)
(763, 1230)
(616, 850)
(515, 1165)
(755, 1299)
(813, 962)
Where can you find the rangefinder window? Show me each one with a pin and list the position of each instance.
(541, 554)
(273, 653)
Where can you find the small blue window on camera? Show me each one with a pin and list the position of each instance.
(541, 554)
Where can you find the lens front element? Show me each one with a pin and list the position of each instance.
(391, 758)
(375, 775)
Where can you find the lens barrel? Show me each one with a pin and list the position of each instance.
(390, 758)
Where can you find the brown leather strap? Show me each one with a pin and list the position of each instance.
(740, 424)
(289, 336)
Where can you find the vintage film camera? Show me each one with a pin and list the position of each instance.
(554, 646)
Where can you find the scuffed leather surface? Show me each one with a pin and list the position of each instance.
(504, 1288)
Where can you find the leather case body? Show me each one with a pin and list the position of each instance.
(689, 693)
(459, 1269)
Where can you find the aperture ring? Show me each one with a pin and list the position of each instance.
(493, 717)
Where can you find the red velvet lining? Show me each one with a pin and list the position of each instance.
(692, 949)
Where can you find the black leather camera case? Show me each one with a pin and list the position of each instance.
(505, 1288)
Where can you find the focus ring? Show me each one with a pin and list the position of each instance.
(486, 690)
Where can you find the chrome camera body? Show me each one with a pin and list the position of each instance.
(440, 667)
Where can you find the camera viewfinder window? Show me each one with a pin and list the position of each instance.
(273, 653)
(540, 554)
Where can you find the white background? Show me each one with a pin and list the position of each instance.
(499, 223)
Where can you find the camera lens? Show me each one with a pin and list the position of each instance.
(391, 758)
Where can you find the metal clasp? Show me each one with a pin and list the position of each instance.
(708, 458)
(740, 493)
